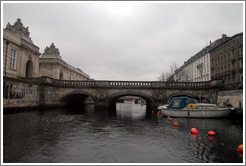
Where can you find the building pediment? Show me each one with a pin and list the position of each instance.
(20, 30)
(51, 52)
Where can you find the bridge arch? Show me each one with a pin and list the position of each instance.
(76, 98)
(148, 99)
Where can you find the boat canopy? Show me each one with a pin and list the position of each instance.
(180, 102)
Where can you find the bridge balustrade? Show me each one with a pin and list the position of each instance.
(153, 84)
(129, 83)
(116, 84)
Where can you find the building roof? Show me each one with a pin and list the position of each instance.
(227, 40)
(20, 35)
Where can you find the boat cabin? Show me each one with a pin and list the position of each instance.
(181, 102)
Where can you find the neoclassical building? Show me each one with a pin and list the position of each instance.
(20, 54)
(21, 57)
(52, 65)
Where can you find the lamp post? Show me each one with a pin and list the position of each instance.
(5, 68)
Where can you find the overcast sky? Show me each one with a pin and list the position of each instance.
(126, 40)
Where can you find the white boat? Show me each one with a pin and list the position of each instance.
(186, 107)
(162, 107)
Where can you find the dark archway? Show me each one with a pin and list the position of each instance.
(61, 76)
(29, 69)
(76, 100)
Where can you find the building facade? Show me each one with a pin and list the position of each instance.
(197, 68)
(21, 57)
(20, 54)
(52, 65)
(227, 61)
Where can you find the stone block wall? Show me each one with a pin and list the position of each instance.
(231, 97)
(20, 94)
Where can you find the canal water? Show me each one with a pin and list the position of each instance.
(126, 136)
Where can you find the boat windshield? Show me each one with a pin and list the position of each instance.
(191, 101)
(181, 102)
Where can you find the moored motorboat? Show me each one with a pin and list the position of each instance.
(189, 107)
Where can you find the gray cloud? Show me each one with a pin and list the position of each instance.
(134, 43)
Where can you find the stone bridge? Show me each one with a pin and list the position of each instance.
(46, 91)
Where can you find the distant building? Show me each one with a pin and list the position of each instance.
(21, 57)
(197, 68)
(227, 60)
(222, 59)
(52, 65)
(20, 54)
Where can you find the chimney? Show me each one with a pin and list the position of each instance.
(223, 37)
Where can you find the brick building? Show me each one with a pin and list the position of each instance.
(226, 60)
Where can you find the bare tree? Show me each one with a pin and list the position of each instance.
(168, 75)
(163, 76)
(175, 74)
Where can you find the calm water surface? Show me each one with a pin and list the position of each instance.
(127, 136)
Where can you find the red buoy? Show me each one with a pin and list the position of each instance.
(194, 131)
(170, 119)
(159, 113)
(240, 148)
(211, 133)
(176, 124)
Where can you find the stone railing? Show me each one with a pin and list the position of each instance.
(132, 84)
(120, 84)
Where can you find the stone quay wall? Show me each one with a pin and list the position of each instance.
(230, 97)
(20, 93)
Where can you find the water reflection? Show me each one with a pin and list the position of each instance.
(125, 136)
(130, 110)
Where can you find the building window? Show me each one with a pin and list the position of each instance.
(233, 53)
(233, 66)
(241, 51)
(234, 77)
(13, 58)
(240, 64)
(241, 40)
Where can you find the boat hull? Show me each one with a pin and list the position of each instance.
(219, 113)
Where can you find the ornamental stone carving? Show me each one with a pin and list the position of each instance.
(18, 28)
(51, 52)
